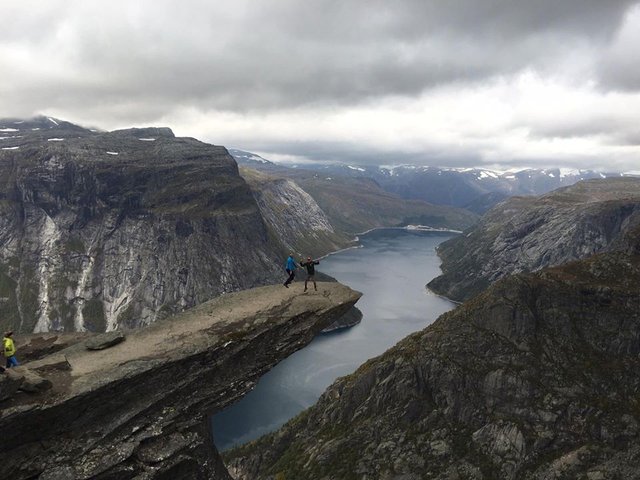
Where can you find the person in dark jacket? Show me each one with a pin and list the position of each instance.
(291, 269)
(310, 265)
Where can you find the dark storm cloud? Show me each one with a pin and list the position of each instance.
(458, 82)
(580, 127)
(284, 54)
(619, 67)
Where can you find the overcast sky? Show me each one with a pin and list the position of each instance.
(498, 83)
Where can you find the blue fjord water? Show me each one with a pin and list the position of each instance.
(391, 270)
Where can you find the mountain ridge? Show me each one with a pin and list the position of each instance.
(526, 234)
(475, 189)
(107, 230)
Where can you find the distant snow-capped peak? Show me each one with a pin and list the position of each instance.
(247, 156)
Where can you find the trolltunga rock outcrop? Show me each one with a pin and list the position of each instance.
(140, 408)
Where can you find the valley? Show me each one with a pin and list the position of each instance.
(389, 269)
(101, 231)
(460, 181)
(146, 235)
(533, 377)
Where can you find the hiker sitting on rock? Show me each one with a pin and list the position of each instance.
(310, 265)
(9, 350)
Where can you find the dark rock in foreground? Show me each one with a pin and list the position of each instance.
(140, 409)
(536, 378)
(350, 319)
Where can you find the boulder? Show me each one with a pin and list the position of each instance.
(105, 340)
(10, 382)
(32, 382)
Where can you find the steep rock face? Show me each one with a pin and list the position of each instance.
(140, 409)
(357, 205)
(293, 215)
(108, 230)
(526, 234)
(536, 378)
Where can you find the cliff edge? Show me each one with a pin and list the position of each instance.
(140, 408)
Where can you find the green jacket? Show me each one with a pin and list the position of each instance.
(9, 347)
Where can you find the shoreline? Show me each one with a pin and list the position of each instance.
(431, 292)
(340, 250)
(419, 228)
(409, 228)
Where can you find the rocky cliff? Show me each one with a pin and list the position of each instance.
(108, 230)
(525, 234)
(294, 216)
(140, 408)
(535, 378)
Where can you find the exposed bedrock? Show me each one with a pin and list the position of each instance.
(140, 408)
(526, 234)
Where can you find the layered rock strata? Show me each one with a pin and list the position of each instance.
(140, 408)
(525, 234)
(109, 230)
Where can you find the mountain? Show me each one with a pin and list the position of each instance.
(357, 204)
(293, 215)
(111, 230)
(467, 186)
(535, 378)
(475, 189)
(525, 234)
(141, 408)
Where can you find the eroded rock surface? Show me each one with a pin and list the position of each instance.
(140, 409)
(526, 234)
(112, 230)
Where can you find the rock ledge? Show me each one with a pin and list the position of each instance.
(140, 409)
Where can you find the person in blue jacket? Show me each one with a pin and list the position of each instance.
(291, 269)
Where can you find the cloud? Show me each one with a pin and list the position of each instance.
(619, 66)
(418, 80)
(267, 55)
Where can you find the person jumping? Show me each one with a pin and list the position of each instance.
(310, 265)
(291, 269)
